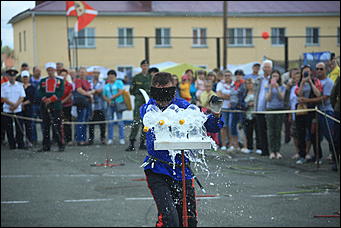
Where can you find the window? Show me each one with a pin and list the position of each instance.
(125, 37)
(199, 37)
(20, 41)
(87, 42)
(162, 37)
(338, 36)
(312, 36)
(278, 35)
(240, 37)
(24, 40)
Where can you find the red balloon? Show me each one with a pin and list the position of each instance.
(265, 35)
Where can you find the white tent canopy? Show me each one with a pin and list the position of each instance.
(104, 71)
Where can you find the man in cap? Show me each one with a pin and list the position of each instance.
(13, 94)
(140, 81)
(23, 67)
(51, 90)
(255, 72)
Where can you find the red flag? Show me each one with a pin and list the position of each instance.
(83, 11)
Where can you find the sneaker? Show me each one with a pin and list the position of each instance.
(223, 148)
(308, 157)
(320, 162)
(230, 149)
(300, 161)
(122, 142)
(109, 142)
(278, 156)
(245, 151)
(272, 155)
(258, 151)
(295, 156)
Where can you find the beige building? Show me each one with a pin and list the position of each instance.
(181, 32)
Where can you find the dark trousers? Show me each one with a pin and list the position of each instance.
(3, 124)
(325, 129)
(249, 127)
(98, 115)
(135, 126)
(52, 117)
(28, 123)
(336, 138)
(19, 131)
(167, 194)
(304, 126)
(287, 128)
(67, 127)
(261, 134)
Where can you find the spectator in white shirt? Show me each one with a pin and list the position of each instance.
(13, 94)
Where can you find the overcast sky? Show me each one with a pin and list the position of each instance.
(8, 10)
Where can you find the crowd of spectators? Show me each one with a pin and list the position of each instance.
(306, 87)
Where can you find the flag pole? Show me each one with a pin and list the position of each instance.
(68, 40)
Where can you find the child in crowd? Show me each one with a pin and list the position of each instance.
(200, 83)
(185, 88)
(249, 120)
(205, 98)
(275, 101)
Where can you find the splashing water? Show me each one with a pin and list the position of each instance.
(179, 125)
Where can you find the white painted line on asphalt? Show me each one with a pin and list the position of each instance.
(150, 198)
(140, 198)
(291, 195)
(73, 175)
(13, 202)
(86, 200)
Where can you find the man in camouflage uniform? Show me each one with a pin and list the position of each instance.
(140, 81)
(51, 89)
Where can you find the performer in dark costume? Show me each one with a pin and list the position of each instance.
(164, 182)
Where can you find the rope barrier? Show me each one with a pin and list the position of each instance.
(269, 112)
(330, 117)
(66, 122)
(223, 110)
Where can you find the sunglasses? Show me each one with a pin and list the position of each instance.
(319, 68)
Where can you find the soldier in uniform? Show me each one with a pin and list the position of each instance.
(140, 81)
(51, 89)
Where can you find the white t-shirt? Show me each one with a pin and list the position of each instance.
(12, 92)
(225, 89)
(293, 101)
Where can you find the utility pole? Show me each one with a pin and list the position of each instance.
(225, 36)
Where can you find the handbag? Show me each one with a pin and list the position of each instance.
(301, 106)
(80, 100)
(127, 100)
(121, 106)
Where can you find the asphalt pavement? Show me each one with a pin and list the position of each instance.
(64, 189)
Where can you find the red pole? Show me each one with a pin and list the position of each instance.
(184, 200)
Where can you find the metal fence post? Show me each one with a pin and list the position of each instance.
(146, 48)
(218, 52)
(286, 56)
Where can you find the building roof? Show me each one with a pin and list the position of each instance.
(194, 8)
